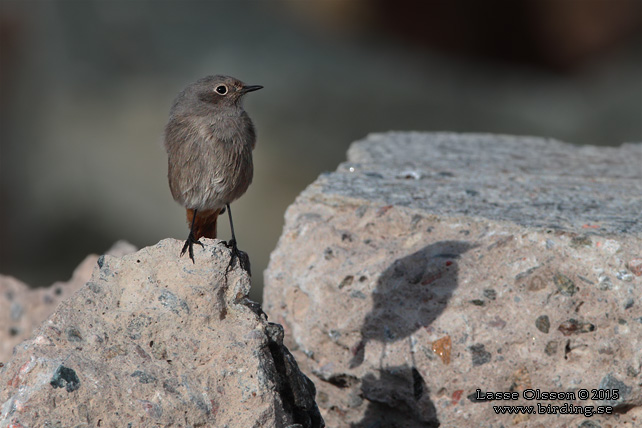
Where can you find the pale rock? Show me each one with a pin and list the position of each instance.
(153, 339)
(22, 309)
(430, 265)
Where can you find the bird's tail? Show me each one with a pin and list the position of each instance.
(205, 223)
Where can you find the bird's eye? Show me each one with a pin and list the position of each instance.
(221, 89)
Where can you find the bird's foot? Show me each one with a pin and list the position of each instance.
(239, 255)
(189, 245)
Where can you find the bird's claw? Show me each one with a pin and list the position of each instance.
(189, 245)
(240, 255)
(231, 244)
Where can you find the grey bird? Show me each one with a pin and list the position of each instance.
(209, 141)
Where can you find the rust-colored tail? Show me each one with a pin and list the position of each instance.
(205, 223)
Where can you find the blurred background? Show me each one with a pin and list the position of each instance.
(86, 86)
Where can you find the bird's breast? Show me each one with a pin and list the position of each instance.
(212, 166)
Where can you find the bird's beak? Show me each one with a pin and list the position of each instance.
(250, 88)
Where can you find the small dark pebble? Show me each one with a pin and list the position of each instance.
(141, 353)
(611, 382)
(573, 326)
(589, 424)
(95, 287)
(630, 371)
(65, 377)
(346, 281)
(415, 220)
(543, 324)
(479, 354)
(551, 348)
(526, 273)
(73, 334)
(473, 398)
(579, 305)
(143, 377)
(14, 331)
(173, 303)
(478, 302)
(581, 241)
(564, 284)
(170, 386)
(490, 294)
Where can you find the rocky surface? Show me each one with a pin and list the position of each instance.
(23, 309)
(156, 340)
(430, 266)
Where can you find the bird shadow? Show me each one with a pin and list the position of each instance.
(398, 398)
(410, 294)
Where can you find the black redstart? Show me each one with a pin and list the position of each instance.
(209, 141)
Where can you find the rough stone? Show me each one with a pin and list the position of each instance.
(155, 340)
(22, 309)
(381, 280)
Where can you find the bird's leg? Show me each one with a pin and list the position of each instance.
(232, 242)
(236, 253)
(191, 240)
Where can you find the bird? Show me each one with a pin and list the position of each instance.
(209, 139)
